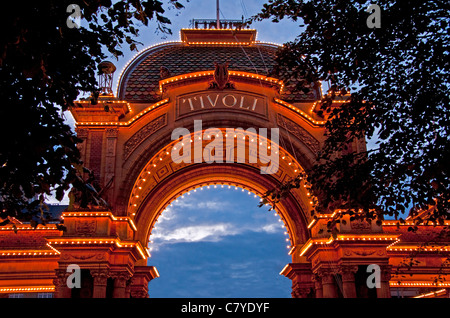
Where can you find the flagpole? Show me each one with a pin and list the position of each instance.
(218, 15)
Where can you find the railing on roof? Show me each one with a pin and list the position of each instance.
(224, 24)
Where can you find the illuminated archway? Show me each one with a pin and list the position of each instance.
(161, 181)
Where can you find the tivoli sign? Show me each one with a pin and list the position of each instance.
(220, 101)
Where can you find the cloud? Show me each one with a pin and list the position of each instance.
(270, 228)
(191, 203)
(184, 203)
(212, 205)
(196, 233)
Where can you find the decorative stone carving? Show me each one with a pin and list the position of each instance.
(301, 292)
(221, 77)
(360, 225)
(364, 252)
(348, 272)
(82, 133)
(112, 133)
(83, 257)
(100, 276)
(299, 132)
(326, 275)
(120, 278)
(139, 293)
(61, 278)
(386, 273)
(143, 134)
(164, 72)
(86, 228)
(110, 146)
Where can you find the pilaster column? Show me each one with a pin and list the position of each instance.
(120, 284)
(348, 280)
(60, 282)
(301, 276)
(384, 291)
(299, 291)
(318, 285)
(100, 280)
(82, 133)
(139, 282)
(110, 159)
(328, 283)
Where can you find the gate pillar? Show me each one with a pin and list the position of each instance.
(348, 280)
(102, 245)
(120, 284)
(60, 282)
(301, 276)
(100, 281)
(385, 276)
(340, 257)
(139, 282)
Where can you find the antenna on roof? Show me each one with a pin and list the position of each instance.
(218, 15)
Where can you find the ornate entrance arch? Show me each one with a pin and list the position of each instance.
(128, 144)
(148, 200)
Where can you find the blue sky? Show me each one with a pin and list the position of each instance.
(218, 243)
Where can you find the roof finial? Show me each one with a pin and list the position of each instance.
(106, 71)
(218, 15)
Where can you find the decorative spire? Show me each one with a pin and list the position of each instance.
(106, 71)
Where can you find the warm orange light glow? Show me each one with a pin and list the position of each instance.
(211, 73)
(97, 214)
(220, 43)
(435, 293)
(347, 237)
(99, 241)
(27, 289)
(28, 227)
(410, 248)
(303, 114)
(129, 122)
(418, 284)
(28, 253)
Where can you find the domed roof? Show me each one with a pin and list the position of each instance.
(140, 80)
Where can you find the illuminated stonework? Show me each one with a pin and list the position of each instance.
(127, 143)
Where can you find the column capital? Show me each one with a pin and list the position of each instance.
(120, 278)
(100, 276)
(112, 132)
(348, 272)
(326, 275)
(385, 274)
(120, 275)
(139, 293)
(61, 278)
(299, 291)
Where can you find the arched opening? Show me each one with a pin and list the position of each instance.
(161, 181)
(214, 241)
